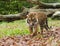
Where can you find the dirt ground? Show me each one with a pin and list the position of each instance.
(50, 38)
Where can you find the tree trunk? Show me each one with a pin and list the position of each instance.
(49, 5)
(45, 5)
(23, 14)
(13, 17)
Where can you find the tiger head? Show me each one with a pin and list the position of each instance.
(31, 19)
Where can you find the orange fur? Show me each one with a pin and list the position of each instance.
(35, 18)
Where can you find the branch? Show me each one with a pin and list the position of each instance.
(45, 5)
(13, 17)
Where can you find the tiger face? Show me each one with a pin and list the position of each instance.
(31, 19)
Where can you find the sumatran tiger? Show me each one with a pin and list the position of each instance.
(37, 18)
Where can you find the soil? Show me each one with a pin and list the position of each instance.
(49, 38)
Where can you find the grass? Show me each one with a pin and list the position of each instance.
(53, 22)
(20, 27)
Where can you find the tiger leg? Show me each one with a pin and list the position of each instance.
(46, 25)
(35, 30)
(41, 27)
(31, 29)
(41, 30)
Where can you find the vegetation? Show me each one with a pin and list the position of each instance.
(15, 6)
(19, 27)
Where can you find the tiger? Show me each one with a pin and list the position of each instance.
(37, 18)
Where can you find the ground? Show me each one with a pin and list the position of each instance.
(16, 34)
(50, 38)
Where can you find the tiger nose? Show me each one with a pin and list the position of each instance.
(32, 24)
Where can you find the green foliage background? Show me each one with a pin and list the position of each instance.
(12, 6)
(15, 6)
